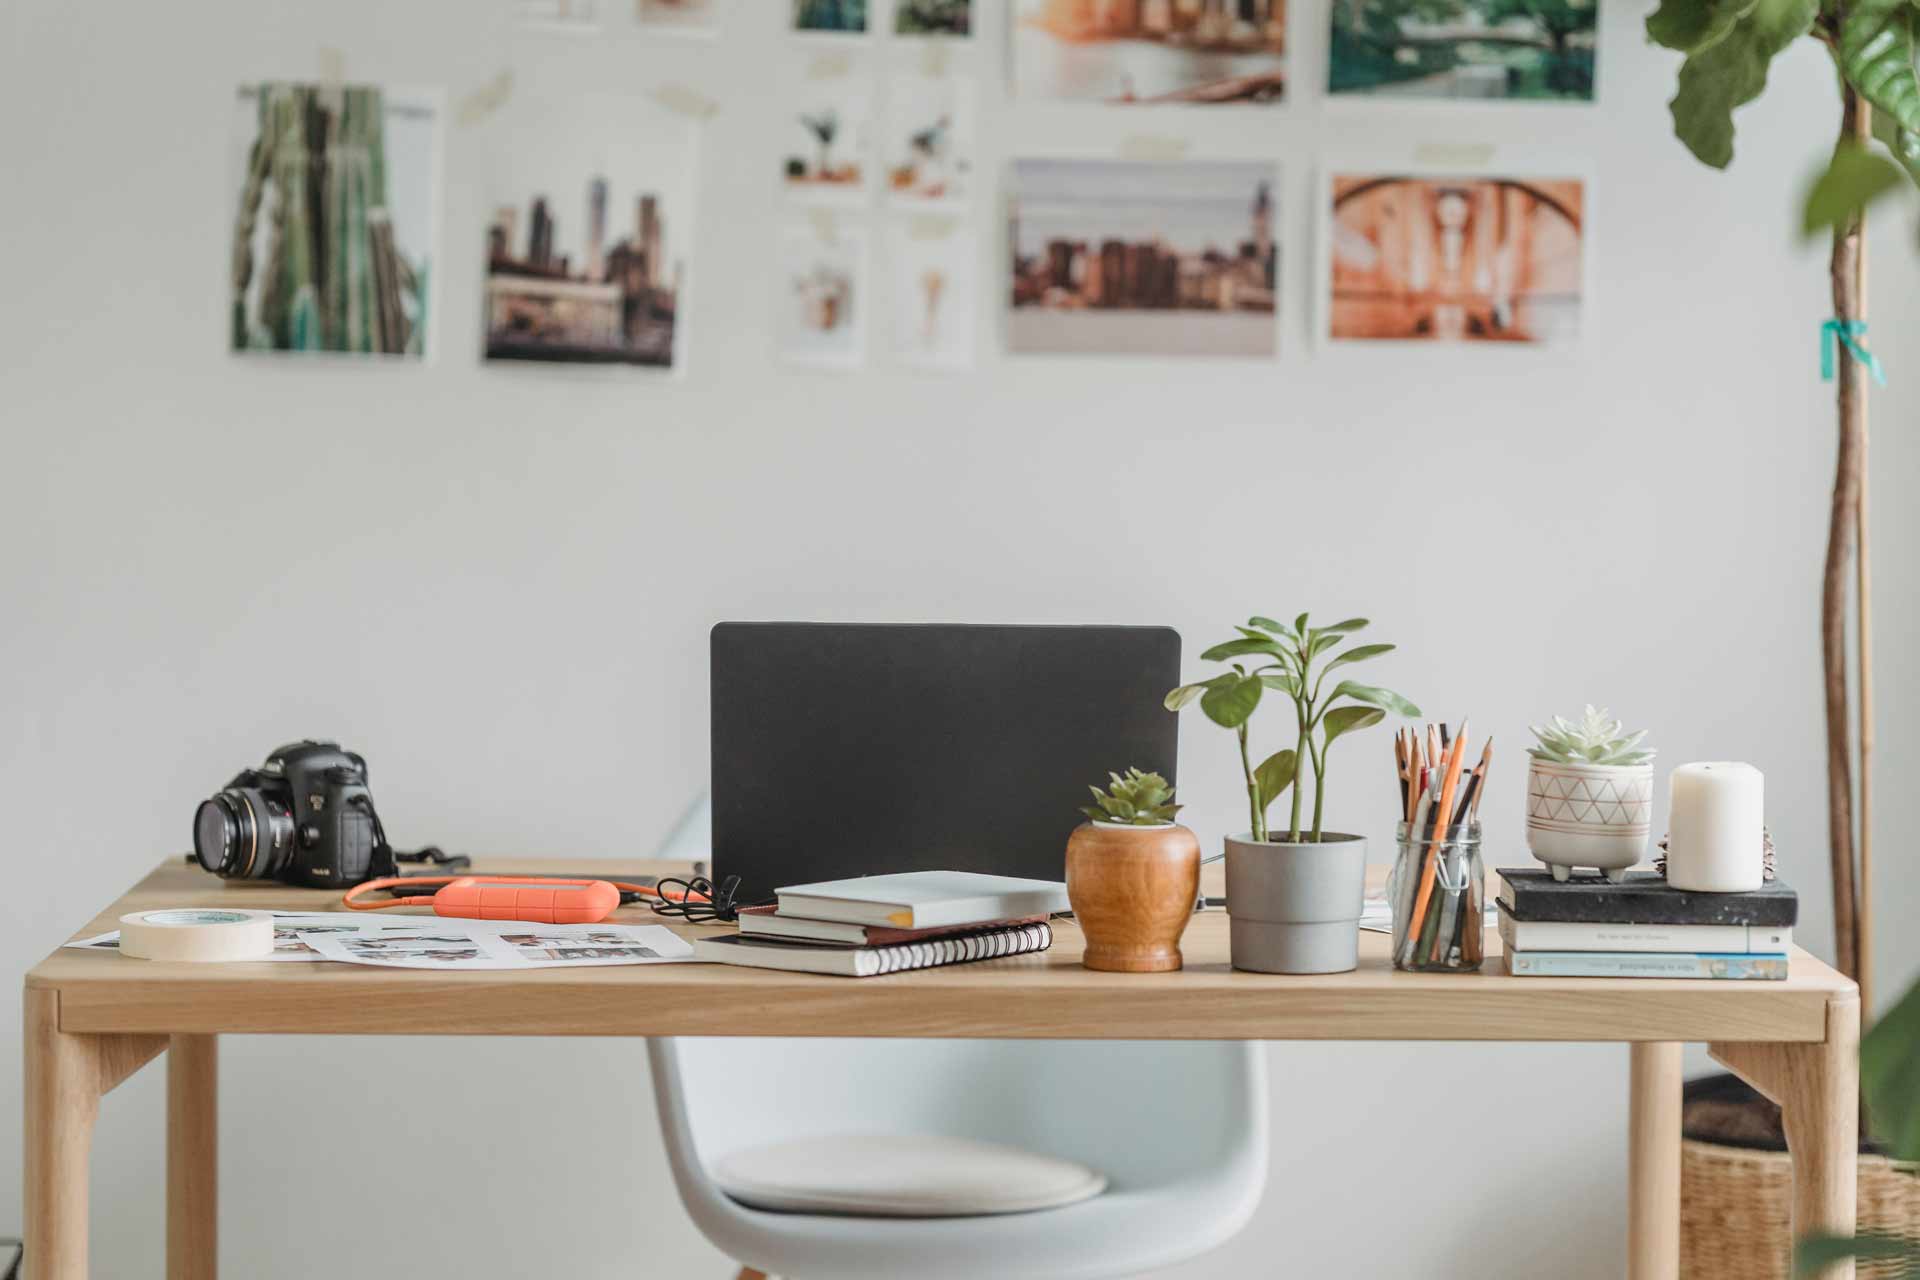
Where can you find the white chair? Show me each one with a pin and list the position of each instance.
(1179, 1128)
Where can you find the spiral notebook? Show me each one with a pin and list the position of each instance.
(868, 962)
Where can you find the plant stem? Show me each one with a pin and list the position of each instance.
(1257, 827)
(1319, 787)
(1843, 522)
(1299, 773)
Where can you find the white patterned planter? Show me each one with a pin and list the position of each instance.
(1589, 815)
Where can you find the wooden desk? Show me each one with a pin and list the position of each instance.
(94, 1018)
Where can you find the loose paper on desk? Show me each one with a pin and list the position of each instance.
(434, 943)
(287, 928)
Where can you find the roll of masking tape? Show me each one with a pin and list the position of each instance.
(197, 933)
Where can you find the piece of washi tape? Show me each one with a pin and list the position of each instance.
(1152, 146)
(687, 102)
(1475, 154)
(486, 100)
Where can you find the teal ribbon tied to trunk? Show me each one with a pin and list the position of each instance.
(1835, 334)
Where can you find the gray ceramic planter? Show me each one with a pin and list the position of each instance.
(1295, 908)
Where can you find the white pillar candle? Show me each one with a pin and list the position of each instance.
(1716, 827)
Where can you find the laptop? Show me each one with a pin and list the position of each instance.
(858, 749)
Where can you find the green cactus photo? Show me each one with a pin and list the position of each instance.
(933, 17)
(333, 219)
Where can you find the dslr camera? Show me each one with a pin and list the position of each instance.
(305, 817)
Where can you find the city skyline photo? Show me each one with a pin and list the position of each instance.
(1143, 258)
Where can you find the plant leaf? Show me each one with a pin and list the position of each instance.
(1268, 624)
(1300, 626)
(1237, 648)
(1732, 72)
(1689, 26)
(1346, 719)
(1373, 695)
(1359, 653)
(1351, 624)
(1229, 705)
(1176, 699)
(1285, 681)
(1876, 56)
(1816, 1253)
(1321, 642)
(1904, 144)
(1274, 776)
(1890, 1076)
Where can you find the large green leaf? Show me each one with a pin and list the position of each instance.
(1689, 26)
(1373, 695)
(1890, 1076)
(1816, 1253)
(1229, 705)
(1903, 143)
(1350, 624)
(1732, 72)
(1238, 648)
(1275, 774)
(1876, 56)
(1854, 179)
(1268, 624)
(1346, 719)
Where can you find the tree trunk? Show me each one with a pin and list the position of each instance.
(1848, 307)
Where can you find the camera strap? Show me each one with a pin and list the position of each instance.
(387, 859)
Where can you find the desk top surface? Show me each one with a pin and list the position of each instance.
(1044, 996)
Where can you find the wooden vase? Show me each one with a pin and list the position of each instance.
(1132, 891)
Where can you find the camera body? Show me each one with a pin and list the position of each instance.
(304, 817)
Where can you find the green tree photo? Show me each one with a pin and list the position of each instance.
(1464, 48)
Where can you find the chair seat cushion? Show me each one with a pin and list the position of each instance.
(904, 1176)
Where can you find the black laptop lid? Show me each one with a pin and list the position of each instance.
(848, 750)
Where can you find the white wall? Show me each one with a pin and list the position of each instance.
(497, 584)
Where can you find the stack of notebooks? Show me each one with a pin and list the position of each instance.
(1589, 927)
(883, 924)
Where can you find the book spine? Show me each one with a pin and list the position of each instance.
(1550, 935)
(958, 950)
(1597, 906)
(1646, 964)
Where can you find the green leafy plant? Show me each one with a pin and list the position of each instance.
(1890, 1080)
(1729, 46)
(1595, 740)
(1283, 659)
(1137, 800)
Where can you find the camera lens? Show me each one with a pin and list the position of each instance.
(242, 834)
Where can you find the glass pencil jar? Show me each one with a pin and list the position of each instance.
(1438, 893)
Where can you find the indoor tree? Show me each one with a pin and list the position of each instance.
(1729, 45)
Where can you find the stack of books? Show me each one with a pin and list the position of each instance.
(883, 924)
(1591, 927)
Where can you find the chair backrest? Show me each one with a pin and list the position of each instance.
(1123, 1107)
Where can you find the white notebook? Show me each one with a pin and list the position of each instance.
(869, 962)
(924, 899)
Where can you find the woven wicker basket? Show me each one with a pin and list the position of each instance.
(1736, 1210)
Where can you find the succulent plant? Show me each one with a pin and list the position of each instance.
(1595, 740)
(1137, 800)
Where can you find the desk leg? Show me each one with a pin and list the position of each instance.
(1653, 1163)
(66, 1076)
(1818, 1088)
(193, 1147)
